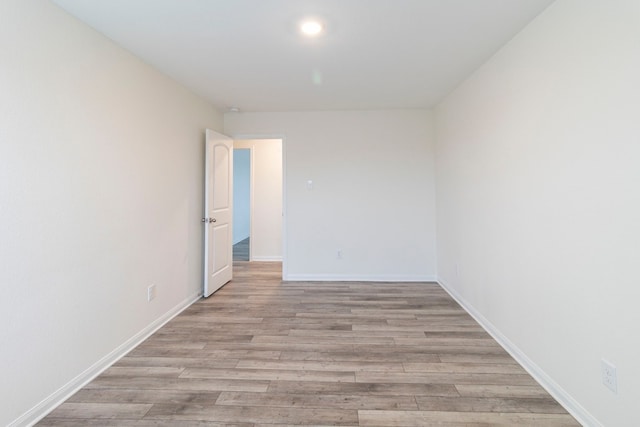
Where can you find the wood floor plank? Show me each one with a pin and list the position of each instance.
(426, 341)
(340, 366)
(143, 371)
(479, 368)
(163, 383)
(485, 390)
(67, 422)
(100, 410)
(284, 346)
(373, 418)
(434, 349)
(157, 346)
(352, 356)
(357, 318)
(483, 404)
(351, 334)
(502, 359)
(269, 374)
(95, 395)
(263, 352)
(299, 400)
(322, 340)
(208, 352)
(444, 378)
(177, 362)
(253, 414)
(368, 389)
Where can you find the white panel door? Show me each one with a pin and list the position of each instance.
(218, 264)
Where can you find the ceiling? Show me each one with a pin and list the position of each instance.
(373, 54)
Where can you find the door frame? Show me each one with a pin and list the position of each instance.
(241, 136)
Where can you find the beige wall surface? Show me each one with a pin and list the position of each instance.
(101, 172)
(372, 195)
(538, 200)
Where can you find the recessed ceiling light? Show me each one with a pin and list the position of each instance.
(311, 28)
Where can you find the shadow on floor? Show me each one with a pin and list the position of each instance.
(241, 250)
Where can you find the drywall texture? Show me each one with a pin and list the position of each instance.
(372, 195)
(538, 201)
(266, 198)
(101, 186)
(241, 194)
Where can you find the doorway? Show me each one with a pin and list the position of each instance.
(241, 203)
(258, 200)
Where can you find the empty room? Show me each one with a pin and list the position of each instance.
(457, 209)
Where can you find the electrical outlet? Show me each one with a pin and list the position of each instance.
(151, 293)
(339, 254)
(609, 377)
(457, 267)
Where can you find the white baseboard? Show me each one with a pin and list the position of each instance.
(39, 411)
(552, 387)
(358, 278)
(267, 258)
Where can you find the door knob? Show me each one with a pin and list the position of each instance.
(212, 220)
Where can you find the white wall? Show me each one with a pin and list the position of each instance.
(372, 196)
(266, 194)
(101, 171)
(241, 194)
(538, 201)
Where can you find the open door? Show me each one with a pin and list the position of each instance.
(218, 216)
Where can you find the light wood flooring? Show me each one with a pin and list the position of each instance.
(261, 352)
